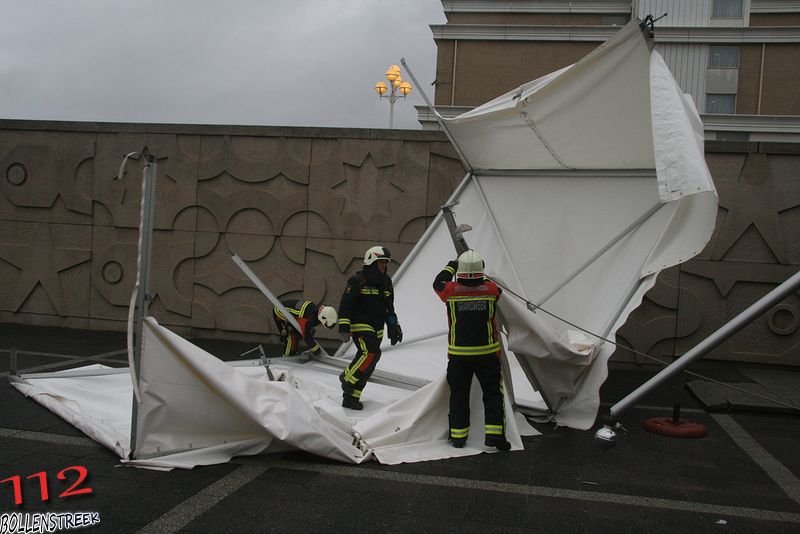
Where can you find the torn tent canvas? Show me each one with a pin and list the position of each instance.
(584, 184)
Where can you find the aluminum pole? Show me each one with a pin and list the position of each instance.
(707, 345)
(143, 297)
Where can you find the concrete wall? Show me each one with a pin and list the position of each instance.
(301, 205)
(755, 247)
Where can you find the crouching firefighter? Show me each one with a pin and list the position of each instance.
(473, 347)
(308, 316)
(367, 304)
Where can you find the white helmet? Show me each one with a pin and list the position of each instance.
(376, 253)
(327, 316)
(470, 265)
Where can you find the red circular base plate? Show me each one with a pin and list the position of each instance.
(684, 428)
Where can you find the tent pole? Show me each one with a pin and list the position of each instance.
(523, 363)
(607, 434)
(600, 252)
(453, 200)
(442, 125)
(143, 297)
(638, 284)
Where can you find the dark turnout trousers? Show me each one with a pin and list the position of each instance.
(459, 376)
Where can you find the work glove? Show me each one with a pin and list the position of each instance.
(395, 334)
(453, 264)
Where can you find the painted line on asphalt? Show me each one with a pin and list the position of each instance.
(185, 512)
(541, 491)
(47, 437)
(771, 466)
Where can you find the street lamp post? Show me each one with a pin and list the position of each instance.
(396, 85)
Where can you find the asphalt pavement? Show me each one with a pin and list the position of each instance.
(741, 477)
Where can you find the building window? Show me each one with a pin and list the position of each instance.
(615, 20)
(723, 57)
(727, 9)
(721, 104)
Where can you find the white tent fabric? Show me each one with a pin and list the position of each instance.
(199, 410)
(584, 184)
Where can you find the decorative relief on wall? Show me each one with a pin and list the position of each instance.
(755, 199)
(367, 190)
(254, 159)
(46, 177)
(302, 211)
(666, 313)
(44, 268)
(748, 256)
(215, 195)
(225, 298)
(117, 201)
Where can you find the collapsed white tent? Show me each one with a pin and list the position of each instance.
(583, 185)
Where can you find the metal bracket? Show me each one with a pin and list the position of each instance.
(456, 231)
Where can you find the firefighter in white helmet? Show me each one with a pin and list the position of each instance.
(308, 316)
(473, 347)
(367, 305)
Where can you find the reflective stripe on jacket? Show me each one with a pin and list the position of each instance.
(471, 313)
(365, 304)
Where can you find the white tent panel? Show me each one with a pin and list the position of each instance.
(592, 115)
(423, 315)
(193, 401)
(104, 416)
(589, 181)
(199, 410)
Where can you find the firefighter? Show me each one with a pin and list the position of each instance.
(367, 304)
(473, 347)
(308, 317)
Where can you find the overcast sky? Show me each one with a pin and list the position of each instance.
(264, 62)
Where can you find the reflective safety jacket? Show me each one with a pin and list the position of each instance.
(367, 303)
(471, 307)
(305, 313)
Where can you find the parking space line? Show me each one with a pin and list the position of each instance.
(541, 491)
(47, 437)
(185, 512)
(774, 469)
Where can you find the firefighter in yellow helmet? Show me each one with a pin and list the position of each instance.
(473, 347)
(366, 306)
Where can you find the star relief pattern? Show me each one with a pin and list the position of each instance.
(39, 262)
(755, 200)
(367, 189)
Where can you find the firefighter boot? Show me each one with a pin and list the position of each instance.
(458, 443)
(499, 442)
(351, 402)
